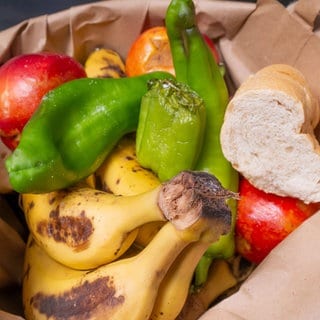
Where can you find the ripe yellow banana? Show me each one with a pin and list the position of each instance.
(104, 63)
(83, 228)
(175, 286)
(122, 174)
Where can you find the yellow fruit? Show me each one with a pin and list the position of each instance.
(104, 63)
(83, 228)
(175, 286)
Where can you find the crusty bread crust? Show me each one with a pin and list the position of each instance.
(268, 133)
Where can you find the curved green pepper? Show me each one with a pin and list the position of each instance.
(195, 65)
(73, 130)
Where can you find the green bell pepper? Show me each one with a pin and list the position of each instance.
(195, 65)
(170, 130)
(74, 128)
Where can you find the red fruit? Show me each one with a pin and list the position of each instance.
(151, 52)
(264, 220)
(213, 48)
(24, 80)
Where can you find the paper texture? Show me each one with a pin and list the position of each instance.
(286, 285)
(272, 35)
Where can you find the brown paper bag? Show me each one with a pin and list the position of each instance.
(251, 36)
(272, 35)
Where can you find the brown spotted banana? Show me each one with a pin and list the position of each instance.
(83, 227)
(127, 286)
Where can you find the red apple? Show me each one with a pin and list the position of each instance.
(24, 80)
(264, 220)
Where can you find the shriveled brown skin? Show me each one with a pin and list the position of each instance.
(191, 195)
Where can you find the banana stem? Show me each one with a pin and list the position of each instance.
(194, 194)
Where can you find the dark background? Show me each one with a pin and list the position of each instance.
(14, 11)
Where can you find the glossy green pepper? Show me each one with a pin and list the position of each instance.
(195, 65)
(171, 127)
(73, 130)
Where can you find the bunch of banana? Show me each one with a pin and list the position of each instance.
(108, 292)
(104, 63)
(122, 174)
(128, 286)
(84, 228)
(51, 289)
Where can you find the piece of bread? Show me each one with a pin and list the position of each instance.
(268, 133)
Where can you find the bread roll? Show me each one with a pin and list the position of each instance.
(268, 133)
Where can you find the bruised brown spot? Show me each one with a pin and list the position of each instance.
(26, 271)
(161, 55)
(30, 205)
(52, 200)
(73, 231)
(116, 69)
(57, 196)
(27, 267)
(136, 169)
(112, 67)
(82, 302)
(101, 184)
